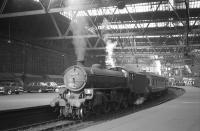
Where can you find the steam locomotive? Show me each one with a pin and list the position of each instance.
(95, 89)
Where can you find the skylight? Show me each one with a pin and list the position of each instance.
(137, 8)
(144, 25)
(133, 8)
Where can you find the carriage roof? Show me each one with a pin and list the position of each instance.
(149, 74)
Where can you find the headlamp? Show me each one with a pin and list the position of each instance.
(88, 91)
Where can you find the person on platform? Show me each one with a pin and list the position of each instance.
(59, 103)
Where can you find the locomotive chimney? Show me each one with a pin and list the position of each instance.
(80, 62)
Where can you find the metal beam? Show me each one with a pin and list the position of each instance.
(88, 43)
(67, 37)
(48, 7)
(56, 25)
(42, 5)
(69, 27)
(147, 47)
(38, 12)
(3, 6)
(25, 13)
(131, 33)
(21, 43)
(143, 54)
(152, 16)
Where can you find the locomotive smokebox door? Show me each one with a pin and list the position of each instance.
(75, 78)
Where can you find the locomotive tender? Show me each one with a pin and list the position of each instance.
(93, 89)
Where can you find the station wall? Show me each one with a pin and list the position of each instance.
(18, 57)
(24, 58)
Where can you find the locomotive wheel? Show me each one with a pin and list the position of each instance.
(107, 107)
(74, 115)
(130, 99)
(82, 114)
(98, 109)
(119, 102)
(116, 106)
(124, 104)
(147, 94)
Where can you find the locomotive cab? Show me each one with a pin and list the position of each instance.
(125, 72)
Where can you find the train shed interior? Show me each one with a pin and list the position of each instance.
(41, 38)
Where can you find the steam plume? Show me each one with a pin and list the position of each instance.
(157, 66)
(78, 28)
(79, 43)
(109, 49)
(110, 45)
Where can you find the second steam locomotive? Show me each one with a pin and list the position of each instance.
(94, 89)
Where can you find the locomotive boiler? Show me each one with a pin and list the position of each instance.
(95, 89)
(78, 77)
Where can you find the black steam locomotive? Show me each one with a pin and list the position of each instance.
(94, 89)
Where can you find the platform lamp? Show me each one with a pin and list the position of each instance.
(63, 61)
(9, 33)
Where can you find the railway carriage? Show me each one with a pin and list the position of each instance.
(157, 84)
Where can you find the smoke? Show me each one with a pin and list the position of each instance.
(78, 28)
(139, 101)
(79, 42)
(109, 49)
(157, 65)
(110, 45)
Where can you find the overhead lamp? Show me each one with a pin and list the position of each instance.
(9, 33)
(36, 0)
(120, 4)
(9, 41)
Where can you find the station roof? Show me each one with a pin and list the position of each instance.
(141, 27)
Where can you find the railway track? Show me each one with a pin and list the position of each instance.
(12, 119)
(43, 118)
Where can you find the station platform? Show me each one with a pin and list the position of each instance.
(25, 100)
(180, 114)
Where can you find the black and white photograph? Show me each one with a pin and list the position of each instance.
(99, 65)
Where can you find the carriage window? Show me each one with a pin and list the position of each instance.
(156, 82)
(132, 76)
